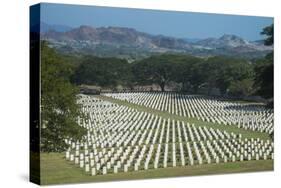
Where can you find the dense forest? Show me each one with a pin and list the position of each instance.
(189, 72)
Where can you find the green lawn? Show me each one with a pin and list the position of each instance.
(56, 170)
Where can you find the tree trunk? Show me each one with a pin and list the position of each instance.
(162, 86)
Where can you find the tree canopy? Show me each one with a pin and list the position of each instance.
(105, 72)
(264, 68)
(192, 73)
(269, 33)
(155, 70)
(59, 109)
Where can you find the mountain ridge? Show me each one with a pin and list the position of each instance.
(129, 41)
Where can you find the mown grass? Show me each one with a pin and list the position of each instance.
(196, 122)
(56, 170)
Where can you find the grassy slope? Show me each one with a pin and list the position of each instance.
(56, 170)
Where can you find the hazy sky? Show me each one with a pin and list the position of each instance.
(169, 23)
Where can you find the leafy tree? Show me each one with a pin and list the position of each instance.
(187, 71)
(141, 73)
(225, 70)
(269, 32)
(59, 110)
(190, 72)
(198, 76)
(241, 88)
(155, 70)
(104, 72)
(264, 77)
(264, 69)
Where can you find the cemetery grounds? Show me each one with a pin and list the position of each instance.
(155, 135)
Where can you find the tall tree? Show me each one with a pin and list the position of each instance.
(155, 70)
(104, 72)
(269, 32)
(59, 109)
(240, 88)
(222, 71)
(264, 68)
(186, 72)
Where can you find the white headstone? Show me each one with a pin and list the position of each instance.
(125, 168)
(81, 164)
(76, 160)
(104, 170)
(115, 169)
(71, 157)
(87, 167)
(67, 155)
(93, 172)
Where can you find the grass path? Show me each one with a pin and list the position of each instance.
(228, 128)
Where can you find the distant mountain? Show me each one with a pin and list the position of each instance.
(47, 27)
(192, 40)
(117, 36)
(258, 42)
(131, 44)
(235, 44)
(224, 41)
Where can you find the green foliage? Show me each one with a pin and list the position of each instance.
(264, 68)
(188, 72)
(264, 76)
(241, 87)
(269, 32)
(191, 72)
(59, 110)
(105, 72)
(222, 71)
(155, 69)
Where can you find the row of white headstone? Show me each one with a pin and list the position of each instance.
(150, 129)
(120, 139)
(253, 117)
(176, 154)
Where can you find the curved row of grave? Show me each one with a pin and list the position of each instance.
(252, 117)
(121, 139)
